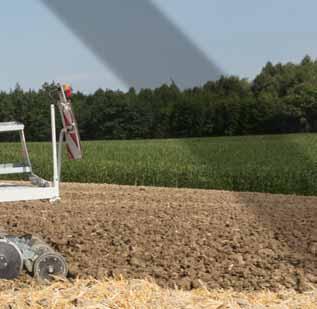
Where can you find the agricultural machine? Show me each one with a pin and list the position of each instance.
(28, 251)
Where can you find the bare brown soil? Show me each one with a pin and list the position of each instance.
(178, 237)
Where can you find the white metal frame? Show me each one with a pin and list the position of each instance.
(38, 189)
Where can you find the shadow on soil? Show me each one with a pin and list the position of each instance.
(283, 227)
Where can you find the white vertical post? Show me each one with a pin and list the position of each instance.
(54, 147)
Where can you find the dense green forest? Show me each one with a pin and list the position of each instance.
(281, 99)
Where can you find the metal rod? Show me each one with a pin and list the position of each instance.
(26, 156)
(54, 146)
(60, 152)
(63, 94)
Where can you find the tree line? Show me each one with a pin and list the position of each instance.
(282, 98)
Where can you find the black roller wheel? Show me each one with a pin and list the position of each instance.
(49, 265)
(11, 261)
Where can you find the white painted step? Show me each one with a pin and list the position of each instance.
(11, 126)
(10, 168)
(19, 192)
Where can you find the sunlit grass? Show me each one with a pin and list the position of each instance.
(278, 164)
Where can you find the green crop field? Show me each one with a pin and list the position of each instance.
(279, 164)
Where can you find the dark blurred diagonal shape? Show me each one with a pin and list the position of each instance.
(137, 41)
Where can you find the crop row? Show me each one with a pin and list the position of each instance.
(277, 164)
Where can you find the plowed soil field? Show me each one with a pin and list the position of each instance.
(178, 237)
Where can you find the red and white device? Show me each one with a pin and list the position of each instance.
(70, 127)
(39, 188)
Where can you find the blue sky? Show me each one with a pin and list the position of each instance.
(240, 36)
